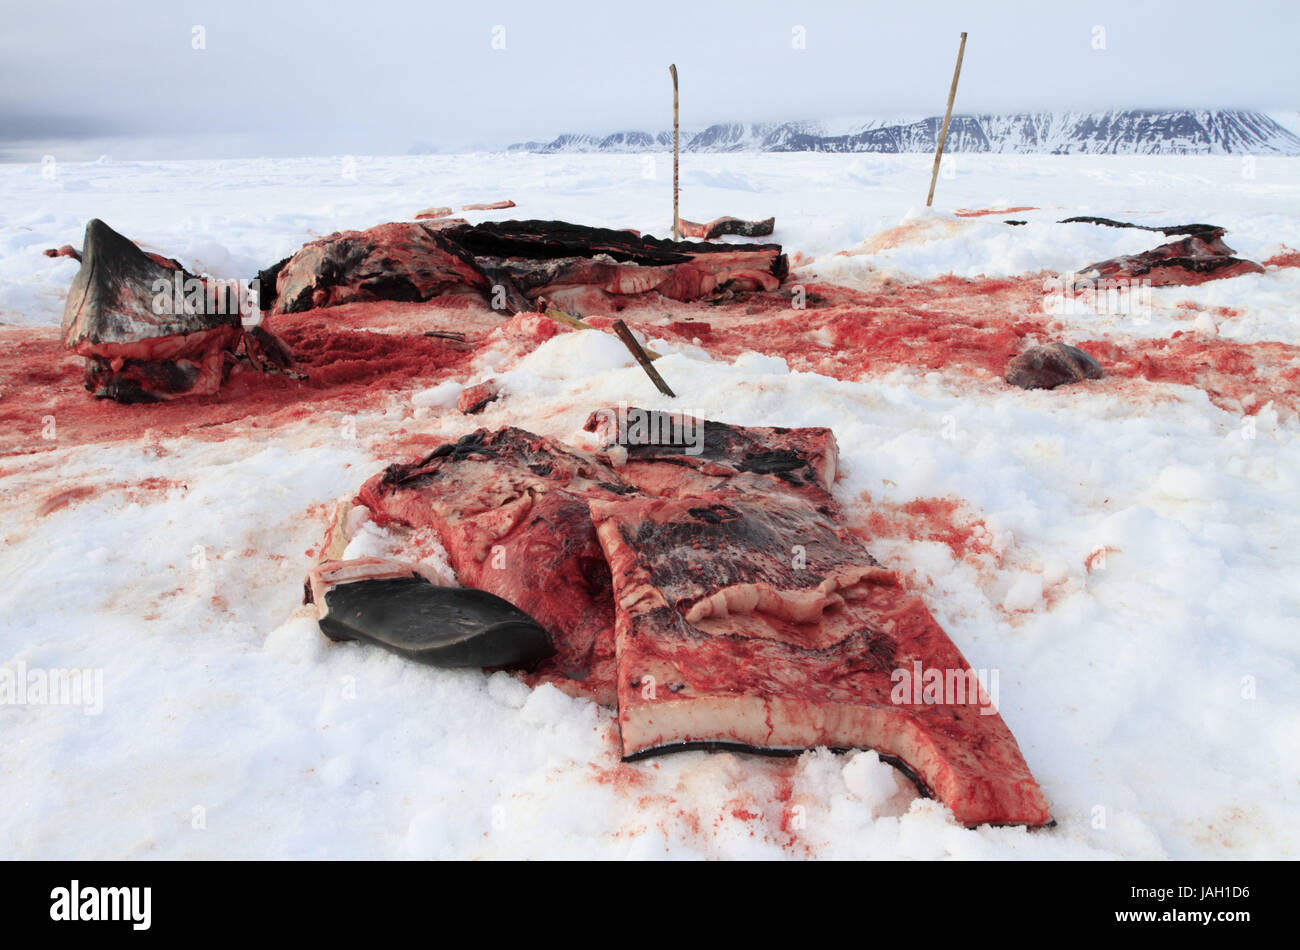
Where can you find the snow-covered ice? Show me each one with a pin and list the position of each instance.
(1136, 586)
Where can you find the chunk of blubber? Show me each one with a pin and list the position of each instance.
(442, 626)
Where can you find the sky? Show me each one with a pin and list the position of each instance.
(229, 78)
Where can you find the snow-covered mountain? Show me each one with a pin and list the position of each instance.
(1128, 132)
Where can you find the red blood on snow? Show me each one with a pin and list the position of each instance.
(1288, 258)
(347, 370)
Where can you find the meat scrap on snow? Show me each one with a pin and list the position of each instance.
(709, 591)
(1199, 256)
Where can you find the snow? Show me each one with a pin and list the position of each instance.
(442, 396)
(1026, 592)
(1137, 592)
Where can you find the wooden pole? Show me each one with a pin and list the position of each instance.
(943, 133)
(677, 229)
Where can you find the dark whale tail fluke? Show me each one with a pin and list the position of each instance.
(397, 607)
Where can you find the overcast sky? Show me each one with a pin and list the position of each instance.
(281, 77)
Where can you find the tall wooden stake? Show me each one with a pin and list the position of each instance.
(677, 228)
(943, 133)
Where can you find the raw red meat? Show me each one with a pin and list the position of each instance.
(474, 399)
(725, 225)
(673, 454)
(758, 623)
(510, 507)
(66, 250)
(528, 494)
(1200, 256)
(404, 260)
(512, 263)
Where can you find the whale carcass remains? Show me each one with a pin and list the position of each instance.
(511, 263)
(150, 330)
(142, 344)
(708, 590)
(1200, 255)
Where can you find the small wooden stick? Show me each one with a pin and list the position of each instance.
(641, 356)
(446, 335)
(943, 133)
(677, 230)
(559, 316)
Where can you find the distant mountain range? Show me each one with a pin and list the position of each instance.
(1124, 132)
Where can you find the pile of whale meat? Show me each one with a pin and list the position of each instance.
(704, 585)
